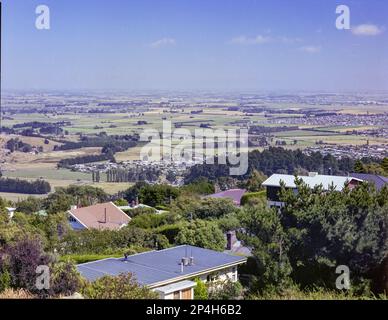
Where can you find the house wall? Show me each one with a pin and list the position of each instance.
(183, 295)
(230, 274)
(221, 275)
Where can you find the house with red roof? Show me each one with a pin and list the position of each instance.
(102, 216)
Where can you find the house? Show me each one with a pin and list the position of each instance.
(273, 184)
(378, 181)
(234, 194)
(169, 272)
(103, 216)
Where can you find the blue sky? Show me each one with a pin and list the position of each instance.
(277, 45)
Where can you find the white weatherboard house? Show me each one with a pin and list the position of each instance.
(273, 184)
(170, 272)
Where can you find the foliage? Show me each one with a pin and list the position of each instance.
(200, 186)
(208, 208)
(170, 231)
(200, 290)
(110, 241)
(24, 186)
(63, 198)
(157, 195)
(263, 231)
(64, 279)
(5, 280)
(84, 258)
(315, 232)
(226, 290)
(67, 163)
(229, 222)
(151, 220)
(202, 234)
(252, 198)
(275, 160)
(132, 193)
(16, 294)
(29, 205)
(20, 260)
(295, 293)
(121, 287)
(145, 211)
(121, 202)
(254, 183)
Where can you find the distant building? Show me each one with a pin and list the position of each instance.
(378, 181)
(273, 184)
(170, 272)
(234, 194)
(103, 216)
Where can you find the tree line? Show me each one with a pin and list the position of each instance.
(24, 186)
(279, 160)
(67, 163)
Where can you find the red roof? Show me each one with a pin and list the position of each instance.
(101, 216)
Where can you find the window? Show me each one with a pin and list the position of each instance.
(176, 295)
(212, 277)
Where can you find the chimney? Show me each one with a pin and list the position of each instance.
(185, 261)
(182, 268)
(231, 239)
(73, 207)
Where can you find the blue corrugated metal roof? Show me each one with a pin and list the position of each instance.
(378, 181)
(158, 266)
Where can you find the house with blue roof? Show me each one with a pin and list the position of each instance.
(169, 272)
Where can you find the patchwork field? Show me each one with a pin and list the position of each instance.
(194, 113)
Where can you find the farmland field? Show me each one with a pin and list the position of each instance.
(112, 116)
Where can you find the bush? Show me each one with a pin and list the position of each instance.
(200, 291)
(204, 234)
(5, 280)
(65, 279)
(227, 290)
(122, 287)
(149, 221)
(84, 258)
(16, 294)
(170, 231)
(252, 197)
(121, 202)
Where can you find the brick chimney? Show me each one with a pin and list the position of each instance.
(230, 239)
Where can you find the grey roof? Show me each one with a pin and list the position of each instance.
(182, 285)
(160, 267)
(378, 181)
(312, 181)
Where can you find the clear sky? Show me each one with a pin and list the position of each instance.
(281, 45)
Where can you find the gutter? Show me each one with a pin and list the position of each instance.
(198, 273)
